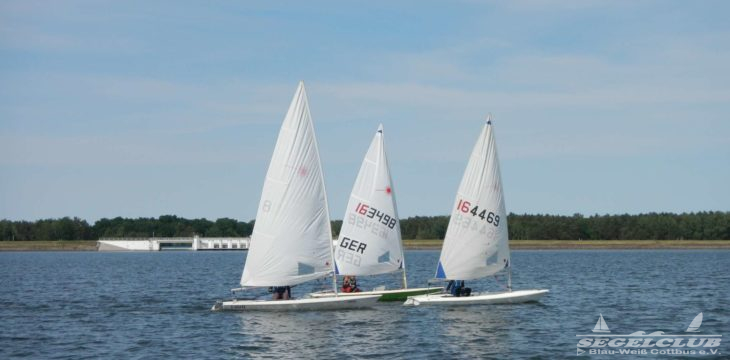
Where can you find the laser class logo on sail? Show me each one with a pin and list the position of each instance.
(691, 342)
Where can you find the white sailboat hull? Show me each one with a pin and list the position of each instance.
(505, 297)
(330, 303)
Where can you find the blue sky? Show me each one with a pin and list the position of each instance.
(135, 109)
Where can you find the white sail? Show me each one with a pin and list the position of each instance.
(476, 241)
(291, 241)
(694, 326)
(601, 325)
(370, 239)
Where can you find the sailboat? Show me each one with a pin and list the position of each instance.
(694, 326)
(476, 244)
(601, 326)
(291, 239)
(370, 242)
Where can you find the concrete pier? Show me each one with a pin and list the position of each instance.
(194, 243)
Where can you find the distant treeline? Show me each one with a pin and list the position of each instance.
(711, 225)
(164, 226)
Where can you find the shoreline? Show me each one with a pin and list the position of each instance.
(90, 245)
(590, 244)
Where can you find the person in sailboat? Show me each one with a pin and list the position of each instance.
(349, 284)
(457, 288)
(281, 292)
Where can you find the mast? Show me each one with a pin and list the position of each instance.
(395, 205)
(405, 280)
(509, 261)
(334, 282)
(326, 207)
(509, 278)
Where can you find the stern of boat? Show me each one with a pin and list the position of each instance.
(413, 300)
(410, 302)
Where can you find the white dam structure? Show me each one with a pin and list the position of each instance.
(194, 243)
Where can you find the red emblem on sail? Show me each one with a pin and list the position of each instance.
(303, 171)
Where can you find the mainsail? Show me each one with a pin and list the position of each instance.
(601, 325)
(476, 241)
(694, 326)
(370, 240)
(291, 241)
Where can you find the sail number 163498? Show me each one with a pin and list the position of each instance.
(489, 217)
(371, 212)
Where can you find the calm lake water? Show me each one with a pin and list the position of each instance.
(75, 305)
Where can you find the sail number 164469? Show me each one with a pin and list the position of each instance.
(489, 217)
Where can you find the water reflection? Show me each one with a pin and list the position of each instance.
(314, 333)
(279, 334)
(474, 331)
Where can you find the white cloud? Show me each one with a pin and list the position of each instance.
(115, 150)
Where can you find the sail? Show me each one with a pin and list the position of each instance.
(291, 241)
(370, 240)
(694, 326)
(601, 325)
(476, 241)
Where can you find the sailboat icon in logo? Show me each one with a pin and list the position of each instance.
(694, 326)
(601, 326)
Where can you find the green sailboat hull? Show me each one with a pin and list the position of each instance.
(386, 295)
(402, 296)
